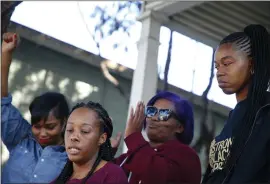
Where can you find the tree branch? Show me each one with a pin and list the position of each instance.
(206, 136)
(7, 9)
(168, 62)
(107, 25)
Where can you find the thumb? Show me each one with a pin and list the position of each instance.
(119, 136)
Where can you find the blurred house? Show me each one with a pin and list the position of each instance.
(42, 63)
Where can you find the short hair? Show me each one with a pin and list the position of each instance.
(42, 105)
(183, 110)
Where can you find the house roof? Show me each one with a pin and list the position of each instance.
(215, 20)
(42, 40)
(208, 22)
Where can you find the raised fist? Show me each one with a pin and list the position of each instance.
(10, 42)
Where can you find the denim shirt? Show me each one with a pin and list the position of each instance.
(28, 161)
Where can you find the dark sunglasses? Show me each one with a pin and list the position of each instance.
(163, 114)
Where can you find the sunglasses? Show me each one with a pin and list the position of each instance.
(163, 114)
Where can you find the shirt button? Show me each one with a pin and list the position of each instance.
(35, 176)
(155, 149)
(42, 160)
(25, 151)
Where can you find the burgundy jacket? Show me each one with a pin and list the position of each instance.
(108, 174)
(170, 163)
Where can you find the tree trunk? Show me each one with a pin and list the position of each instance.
(7, 8)
(206, 136)
(168, 62)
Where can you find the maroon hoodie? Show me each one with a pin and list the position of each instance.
(170, 163)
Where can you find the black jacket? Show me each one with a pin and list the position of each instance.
(254, 164)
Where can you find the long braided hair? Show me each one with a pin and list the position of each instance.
(255, 42)
(105, 151)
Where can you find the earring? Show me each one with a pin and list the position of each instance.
(252, 72)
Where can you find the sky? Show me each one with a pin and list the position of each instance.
(70, 22)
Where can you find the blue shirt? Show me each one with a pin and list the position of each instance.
(28, 161)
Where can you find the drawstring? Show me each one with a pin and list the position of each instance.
(123, 161)
(129, 177)
(130, 173)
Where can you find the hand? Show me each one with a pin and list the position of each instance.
(10, 42)
(115, 142)
(135, 121)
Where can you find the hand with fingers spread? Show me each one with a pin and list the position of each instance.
(135, 121)
(115, 141)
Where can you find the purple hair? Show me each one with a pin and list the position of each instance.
(183, 110)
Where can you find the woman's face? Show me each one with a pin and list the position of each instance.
(233, 69)
(48, 132)
(83, 136)
(162, 131)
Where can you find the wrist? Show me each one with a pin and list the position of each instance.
(5, 64)
(6, 59)
(128, 132)
(7, 52)
(131, 131)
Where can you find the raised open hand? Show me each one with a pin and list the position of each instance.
(115, 141)
(135, 121)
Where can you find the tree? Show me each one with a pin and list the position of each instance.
(168, 62)
(206, 135)
(7, 9)
(108, 24)
(114, 17)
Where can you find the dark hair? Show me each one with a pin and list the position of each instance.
(105, 151)
(255, 42)
(184, 112)
(42, 105)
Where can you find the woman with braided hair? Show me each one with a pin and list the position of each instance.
(241, 152)
(87, 142)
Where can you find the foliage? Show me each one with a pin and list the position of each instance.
(115, 17)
